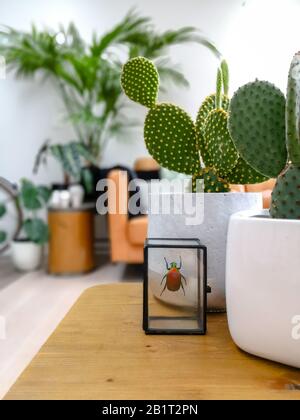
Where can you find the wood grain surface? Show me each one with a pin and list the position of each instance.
(99, 352)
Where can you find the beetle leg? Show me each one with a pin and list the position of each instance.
(183, 289)
(164, 290)
(163, 280)
(167, 265)
(184, 279)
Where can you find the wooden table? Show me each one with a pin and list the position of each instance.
(100, 352)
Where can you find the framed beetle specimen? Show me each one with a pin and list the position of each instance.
(175, 287)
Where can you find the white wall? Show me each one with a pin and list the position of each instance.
(257, 36)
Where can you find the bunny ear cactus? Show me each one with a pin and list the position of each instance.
(178, 144)
(265, 128)
(169, 132)
(215, 143)
(220, 147)
(171, 139)
(257, 126)
(206, 108)
(140, 81)
(286, 195)
(212, 181)
(214, 102)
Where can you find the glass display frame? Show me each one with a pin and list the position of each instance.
(170, 308)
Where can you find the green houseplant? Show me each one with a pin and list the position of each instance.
(203, 150)
(273, 147)
(86, 75)
(28, 246)
(263, 247)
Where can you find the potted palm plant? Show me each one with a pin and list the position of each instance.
(27, 248)
(87, 77)
(263, 283)
(204, 151)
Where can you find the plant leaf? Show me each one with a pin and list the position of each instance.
(87, 180)
(44, 193)
(84, 152)
(30, 196)
(36, 231)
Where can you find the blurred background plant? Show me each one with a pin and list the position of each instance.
(32, 200)
(21, 212)
(87, 75)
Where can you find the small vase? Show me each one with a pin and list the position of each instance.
(26, 255)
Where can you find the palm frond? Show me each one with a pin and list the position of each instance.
(88, 74)
(170, 73)
(132, 26)
(151, 44)
(73, 39)
(29, 52)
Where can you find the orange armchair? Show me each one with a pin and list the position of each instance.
(266, 188)
(127, 236)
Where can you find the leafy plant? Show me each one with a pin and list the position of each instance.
(204, 150)
(32, 199)
(70, 156)
(87, 76)
(265, 128)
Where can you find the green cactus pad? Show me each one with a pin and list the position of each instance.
(140, 81)
(170, 137)
(286, 195)
(293, 111)
(219, 144)
(207, 107)
(244, 174)
(212, 182)
(257, 127)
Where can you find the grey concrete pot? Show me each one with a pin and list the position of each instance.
(210, 225)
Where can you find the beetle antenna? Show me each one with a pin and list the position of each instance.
(167, 264)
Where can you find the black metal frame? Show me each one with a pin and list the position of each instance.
(202, 311)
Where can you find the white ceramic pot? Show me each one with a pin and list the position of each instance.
(263, 286)
(26, 256)
(77, 196)
(210, 226)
